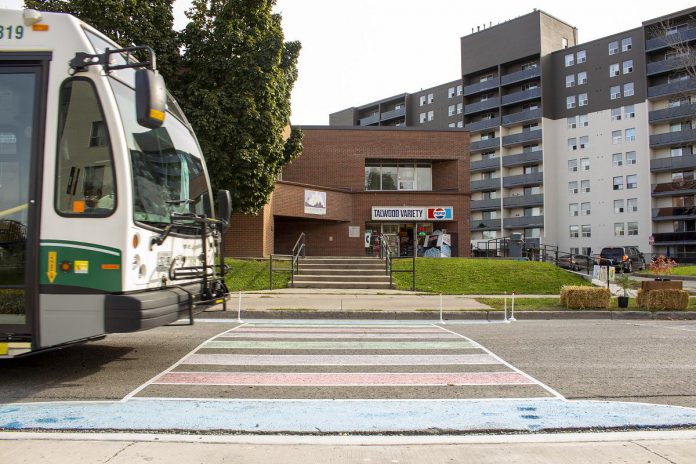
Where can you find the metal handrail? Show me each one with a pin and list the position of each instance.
(298, 251)
(386, 253)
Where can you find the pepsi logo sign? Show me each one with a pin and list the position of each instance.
(439, 213)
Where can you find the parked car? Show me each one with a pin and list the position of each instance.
(576, 262)
(627, 258)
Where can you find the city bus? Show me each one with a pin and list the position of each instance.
(106, 210)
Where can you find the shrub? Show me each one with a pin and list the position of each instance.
(662, 265)
(669, 299)
(576, 297)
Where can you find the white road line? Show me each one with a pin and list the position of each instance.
(338, 400)
(502, 361)
(656, 326)
(174, 366)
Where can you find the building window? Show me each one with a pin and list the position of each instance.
(629, 89)
(570, 102)
(618, 206)
(490, 195)
(585, 209)
(572, 122)
(431, 98)
(422, 117)
(630, 111)
(574, 231)
(431, 115)
(617, 159)
(487, 135)
(613, 48)
(614, 70)
(450, 92)
(628, 67)
(679, 151)
(587, 251)
(97, 137)
(531, 169)
(460, 108)
(584, 141)
(564, 42)
(381, 176)
(422, 100)
(573, 165)
(451, 124)
(533, 212)
(584, 120)
(632, 204)
(630, 157)
(459, 90)
(585, 186)
(530, 86)
(584, 164)
(618, 183)
(582, 78)
(632, 181)
(531, 127)
(582, 56)
(573, 209)
(626, 44)
(616, 137)
(615, 92)
(616, 114)
(619, 229)
(460, 123)
(570, 80)
(569, 60)
(530, 65)
(536, 190)
(586, 231)
(630, 135)
(632, 228)
(450, 110)
(534, 232)
(489, 234)
(582, 99)
(531, 148)
(490, 215)
(573, 144)
(680, 101)
(573, 187)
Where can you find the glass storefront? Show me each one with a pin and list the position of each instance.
(400, 237)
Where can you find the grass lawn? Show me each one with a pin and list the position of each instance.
(252, 274)
(484, 276)
(553, 304)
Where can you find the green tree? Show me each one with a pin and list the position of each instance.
(235, 82)
(128, 22)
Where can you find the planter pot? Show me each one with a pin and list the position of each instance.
(623, 302)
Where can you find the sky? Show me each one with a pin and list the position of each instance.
(358, 51)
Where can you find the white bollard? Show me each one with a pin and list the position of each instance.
(441, 320)
(505, 319)
(239, 308)
(512, 313)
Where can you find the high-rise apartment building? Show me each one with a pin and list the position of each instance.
(576, 145)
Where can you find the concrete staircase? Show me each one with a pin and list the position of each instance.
(337, 272)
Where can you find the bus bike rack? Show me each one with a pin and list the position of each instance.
(213, 286)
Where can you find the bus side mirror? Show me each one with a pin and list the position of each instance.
(224, 208)
(150, 98)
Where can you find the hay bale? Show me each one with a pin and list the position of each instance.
(579, 297)
(642, 298)
(668, 299)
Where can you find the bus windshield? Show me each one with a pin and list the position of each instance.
(168, 174)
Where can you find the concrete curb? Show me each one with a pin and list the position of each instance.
(452, 315)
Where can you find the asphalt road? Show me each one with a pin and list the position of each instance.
(644, 361)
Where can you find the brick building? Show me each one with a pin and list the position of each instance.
(351, 181)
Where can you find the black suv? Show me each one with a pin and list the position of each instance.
(626, 258)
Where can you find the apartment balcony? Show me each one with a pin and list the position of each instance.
(483, 124)
(523, 180)
(671, 114)
(369, 120)
(473, 89)
(673, 214)
(523, 222)
(668, 41)
(670, 138)
(485, 205)
(672, 88)
(485, 184)
(521, 76)
(523, 96)
(524, 201)
(484, 224)
(675, 238)
(522, 117)
(485, 165)
(673, 163)
(487, 144)
(480, 106)
(665, 66)
(522, 138)
(521, 159)
(393, 114)
(677, 188)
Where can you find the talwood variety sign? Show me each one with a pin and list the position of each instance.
(412, 213)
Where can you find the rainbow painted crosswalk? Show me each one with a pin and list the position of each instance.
(274, 360)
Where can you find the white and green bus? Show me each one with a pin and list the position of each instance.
(106, 211)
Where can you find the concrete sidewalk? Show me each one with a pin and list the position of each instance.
(677, 447)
